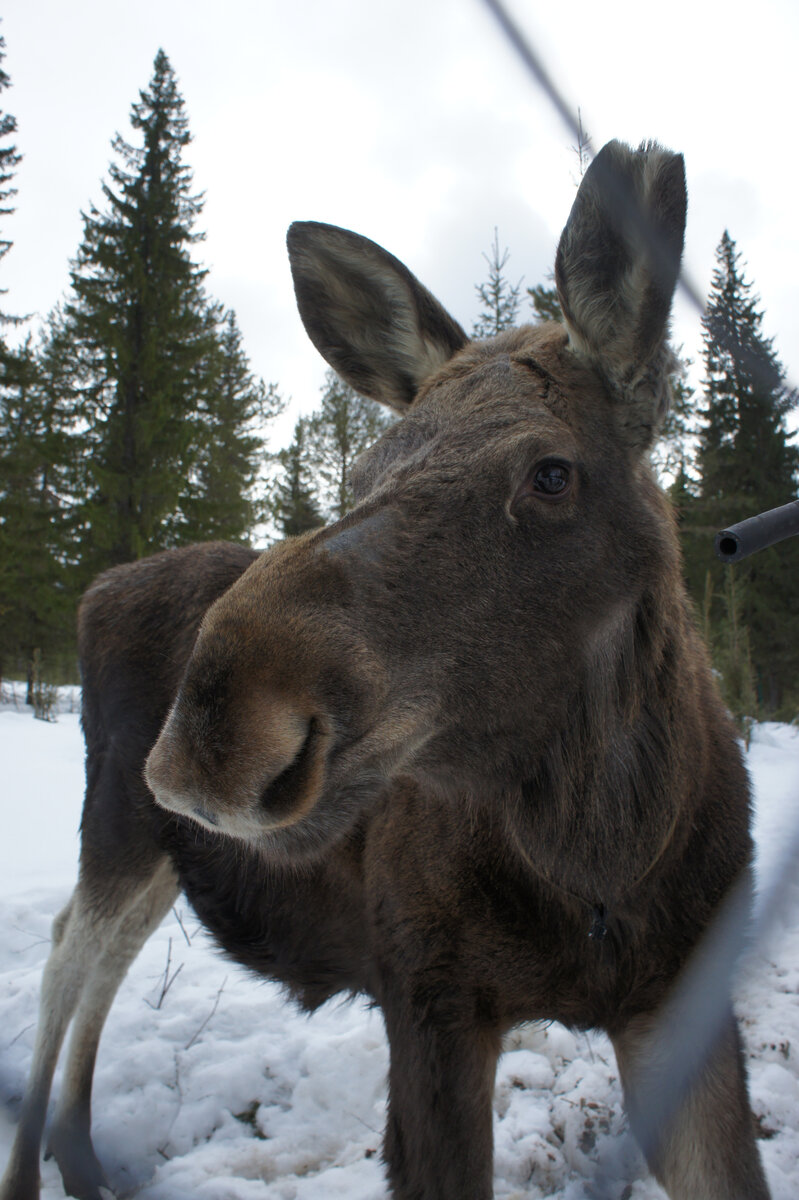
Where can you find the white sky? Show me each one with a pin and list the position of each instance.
(410, 121)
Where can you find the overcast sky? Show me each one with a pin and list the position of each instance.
(412, 122)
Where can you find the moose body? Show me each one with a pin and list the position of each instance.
(460, 751)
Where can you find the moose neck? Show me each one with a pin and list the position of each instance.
(605, 806)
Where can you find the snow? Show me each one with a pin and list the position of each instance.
(224, 1091)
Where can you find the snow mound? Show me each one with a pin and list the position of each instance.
(216, 1088)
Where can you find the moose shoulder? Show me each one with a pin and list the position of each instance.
(474, 710)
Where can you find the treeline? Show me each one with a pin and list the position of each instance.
(314, 484)
(743, 463)
(725, 454)
(131, 421)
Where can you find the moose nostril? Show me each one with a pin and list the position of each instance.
(296, 787)
(273, 763)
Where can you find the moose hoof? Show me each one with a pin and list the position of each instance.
(82, 1175)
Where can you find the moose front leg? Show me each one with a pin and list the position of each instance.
(439, 1138)
(95, 939)
(707, 1150)
(70, 1142)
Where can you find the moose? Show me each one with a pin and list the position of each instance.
(460, 751)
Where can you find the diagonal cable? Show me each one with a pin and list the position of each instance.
(631, 211)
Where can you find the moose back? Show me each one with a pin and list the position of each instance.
(460, 751)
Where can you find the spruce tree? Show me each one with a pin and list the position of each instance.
(545, 303)
(343, 426)
(26, 509)
(144, 338)
(34, 604)
(220, 498)
(744, 455)
(499, 298)
(294, 504)
(38, 587)
(13, 448)
(746, 464)
(10, 159)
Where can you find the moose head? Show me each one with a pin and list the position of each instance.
(485, 591)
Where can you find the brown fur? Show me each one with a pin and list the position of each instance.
(460, 751)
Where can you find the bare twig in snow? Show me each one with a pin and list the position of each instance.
(179, 920)
(166, 980)
(24, 1030)
(196, 1035)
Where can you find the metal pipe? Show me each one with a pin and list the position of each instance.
(756, 533)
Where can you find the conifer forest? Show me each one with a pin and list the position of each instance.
(131, 421)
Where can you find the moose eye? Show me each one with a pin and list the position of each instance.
(551, 479)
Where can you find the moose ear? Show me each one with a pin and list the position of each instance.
(367, 315)
(616, 270)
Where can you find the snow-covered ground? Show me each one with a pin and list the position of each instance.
(226, 1092)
